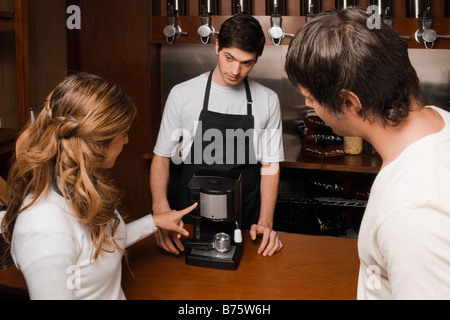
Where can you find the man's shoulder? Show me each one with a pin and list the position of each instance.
(196, 82)
(260, 88)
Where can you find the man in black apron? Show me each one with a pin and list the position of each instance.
(249, 169)
(236, 58)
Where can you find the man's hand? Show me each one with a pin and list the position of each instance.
(270, 243)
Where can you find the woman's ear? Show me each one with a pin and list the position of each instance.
(351, 102)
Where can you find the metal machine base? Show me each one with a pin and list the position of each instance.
(213, 259)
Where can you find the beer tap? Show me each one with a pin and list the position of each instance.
(425, 34)
(206, 30)
(383, 9)
(241, 7)
(309, 8)
(172, 31)
(276, 32)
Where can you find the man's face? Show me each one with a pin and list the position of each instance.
(339, 123)
(233, 66)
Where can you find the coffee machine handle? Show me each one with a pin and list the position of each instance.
(198, 245)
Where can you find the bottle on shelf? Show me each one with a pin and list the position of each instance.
(180, 6)
(212, 7)
(276, 7)
(344, 4)
(309, 8)
(416, 8)
(241, 6)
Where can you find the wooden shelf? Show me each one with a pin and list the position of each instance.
(4, 15)
(406, 27)
(294, 158)
(190, 24)
(6, 22)
(7, 139)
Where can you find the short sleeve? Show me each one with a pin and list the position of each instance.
(415, 245)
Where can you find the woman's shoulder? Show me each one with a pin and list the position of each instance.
(49, 214)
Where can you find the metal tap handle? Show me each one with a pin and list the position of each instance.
(206, 31)
(425, 34)
(276, 32)
(172, 31)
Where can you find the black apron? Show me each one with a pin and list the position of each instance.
(244, 160)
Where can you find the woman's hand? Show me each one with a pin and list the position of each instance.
(172, 221)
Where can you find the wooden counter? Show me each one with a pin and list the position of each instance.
(308, 268)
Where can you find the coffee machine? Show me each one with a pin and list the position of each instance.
(217, 241)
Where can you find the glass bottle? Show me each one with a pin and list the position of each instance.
(344, 4)
(280, 4)
(416, 8)
(180, 6)
(241, 6)
(309, 7)
(212, 7)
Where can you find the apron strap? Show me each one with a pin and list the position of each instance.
(249, 98)
(208, 91)
(247, 91)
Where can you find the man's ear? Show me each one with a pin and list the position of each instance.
(351, 102)
(217, 46)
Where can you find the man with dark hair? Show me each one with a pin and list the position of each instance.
(361, 82)
(225, 122)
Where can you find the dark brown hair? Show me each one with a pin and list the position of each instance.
(243, 32)
(336, 52)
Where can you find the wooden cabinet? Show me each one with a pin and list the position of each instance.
(32, 60)
(14, 76)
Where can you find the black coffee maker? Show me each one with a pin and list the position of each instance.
(217, 241)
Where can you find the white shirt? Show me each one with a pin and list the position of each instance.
(53, 251)
(404, 239)
(185, 102)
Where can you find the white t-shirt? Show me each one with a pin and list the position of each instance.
(404, 240)
(53, 251)
(185, 102)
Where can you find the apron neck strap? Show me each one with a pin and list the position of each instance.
(247, 91)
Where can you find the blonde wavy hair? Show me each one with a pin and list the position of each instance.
(64, 150)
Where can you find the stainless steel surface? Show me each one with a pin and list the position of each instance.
(182, 62)
(222, 242)
(433, 69)
(213, 206)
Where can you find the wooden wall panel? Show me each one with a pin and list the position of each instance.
(114, 42)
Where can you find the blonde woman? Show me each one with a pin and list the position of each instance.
(66, 235)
